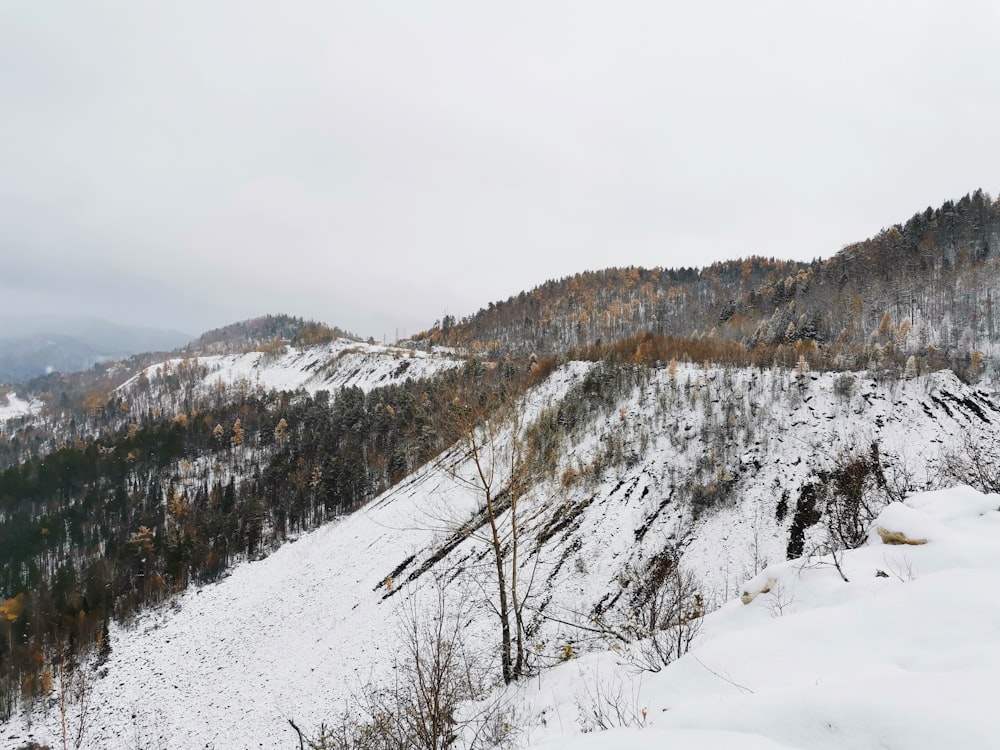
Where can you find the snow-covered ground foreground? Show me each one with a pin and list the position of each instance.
(905, 656)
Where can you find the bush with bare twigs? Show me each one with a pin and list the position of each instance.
(974, 464)
(439, 699)
(664, 615)
(668, 615)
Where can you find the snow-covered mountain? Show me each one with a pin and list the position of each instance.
(179, 383)
(717, 465)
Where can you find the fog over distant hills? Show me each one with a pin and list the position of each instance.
(31, 346)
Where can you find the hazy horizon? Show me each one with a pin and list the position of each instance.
(187, 165)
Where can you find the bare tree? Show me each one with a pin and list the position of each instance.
(668, 619)
(898, 478)
(439, 697)
(490, 444)
(663, 617)
(855, 492)
(74, 701)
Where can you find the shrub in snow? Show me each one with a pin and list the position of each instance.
(897, 537)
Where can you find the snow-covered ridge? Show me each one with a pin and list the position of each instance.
(292, 635)
(339, 364)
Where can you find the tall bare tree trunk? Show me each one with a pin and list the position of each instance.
(503, 608)
(480, 430)
(518, 620)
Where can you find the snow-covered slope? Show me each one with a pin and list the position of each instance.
(339, 364)
(290, 636)
(181, 384)
(903, 657)
(695, 457)
(12, 407)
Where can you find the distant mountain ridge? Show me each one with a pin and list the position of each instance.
(262, 330)
(30, 347)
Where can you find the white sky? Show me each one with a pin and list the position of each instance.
(376, 164)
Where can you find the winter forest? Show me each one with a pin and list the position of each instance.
(594, 466)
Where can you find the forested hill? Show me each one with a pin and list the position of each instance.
(63, 406)
(190, 467)
(264, 330)
(924, 287)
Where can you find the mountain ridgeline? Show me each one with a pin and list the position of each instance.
(925, 288)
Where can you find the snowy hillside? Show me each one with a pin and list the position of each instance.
(700, 460)
(12, 407)
(180, 384)
(903, 657)
(340, 364)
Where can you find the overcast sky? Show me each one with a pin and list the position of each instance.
(376, 165)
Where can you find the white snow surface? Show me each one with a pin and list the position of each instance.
(339, 364)
(17, 407)
(903, 662)
(816, 663)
